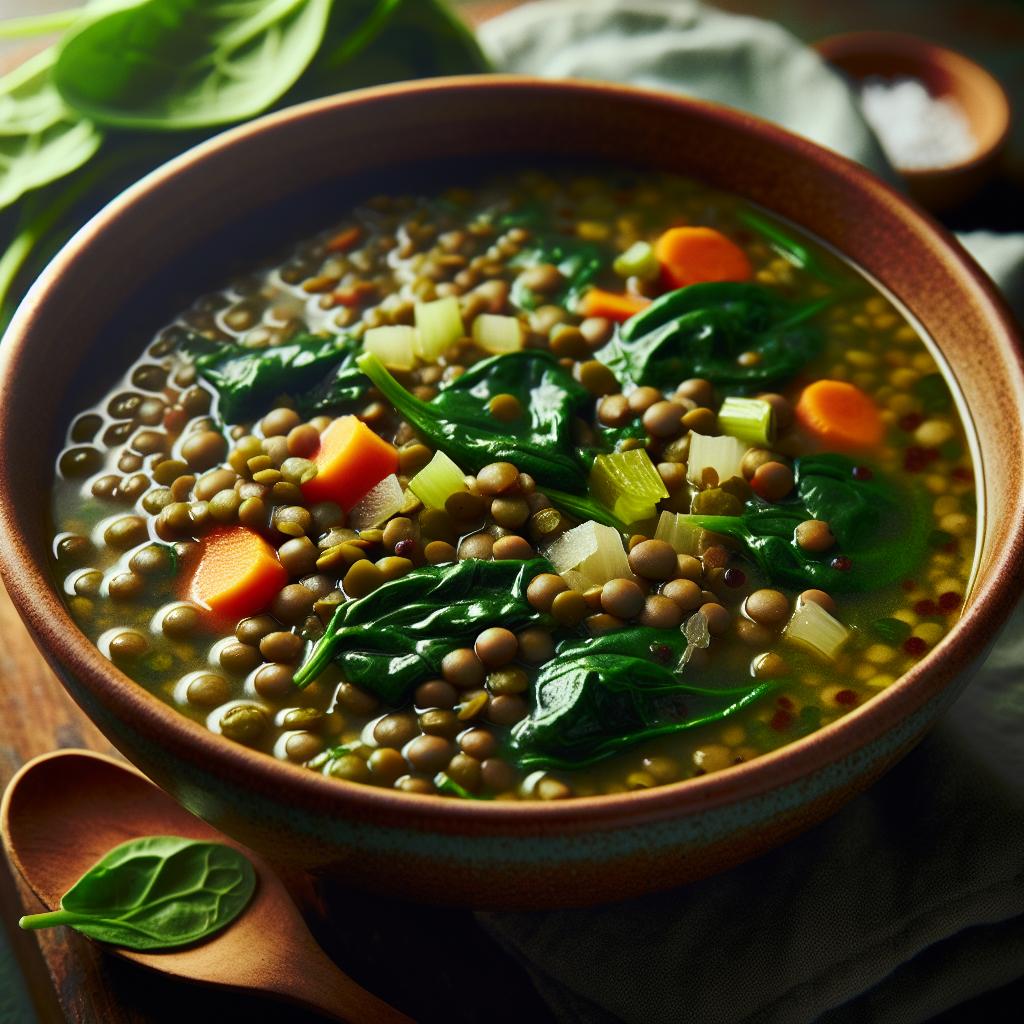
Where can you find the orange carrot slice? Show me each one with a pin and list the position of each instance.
(236, 573)
(344, 239)
(351, 461)
(840, 414)
(612, 305)
(691, 255)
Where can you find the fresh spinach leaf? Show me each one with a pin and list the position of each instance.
(701, 330)
(597, 697)
(315, 370)
(40, 139)
(446, 784)
(396, 637)
(157, 892)
(881, 530)
(458, 421)
(167, 65)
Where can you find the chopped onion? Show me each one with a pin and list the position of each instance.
(628, 484)
(750, 419)
(813, 627)
(682, 535)
(589, 555)
(437, 481)
(498, 334)
(378, 505)
(394, 346)
(722, 454)
(438, 327)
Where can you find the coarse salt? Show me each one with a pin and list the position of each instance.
(916, 130)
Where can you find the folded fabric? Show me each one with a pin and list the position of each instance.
(911, 899)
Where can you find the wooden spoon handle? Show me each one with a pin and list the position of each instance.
(317, 983)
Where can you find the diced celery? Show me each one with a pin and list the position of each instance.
(682, 535)
(589, 555)
(394, 346)
(722, 454)
(749, 419)
(437, 481)
(497, 334)
(628, 484)
(813, 627)
(637, 261)
(378, 505)
(438, 327)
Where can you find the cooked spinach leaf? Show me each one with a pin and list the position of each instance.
(458, 421)
(881, 530)
(795, 251)
(314, 370)
(156, 893)
(599, 696)
(579, 262)
(701, 330)
(396, 637)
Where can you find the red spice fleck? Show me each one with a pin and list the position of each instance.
(950, 547)
(909, 585)
(846, 697)
(841, 563)
(862, 473)
(915, 645)
(175, 419)
(405, 548)
(781, 720)
(734, 577)
(911, 421)
(785, 702)
(915, 459)
(926, 607)
(963, 473)
(661, 653)
(949, 601)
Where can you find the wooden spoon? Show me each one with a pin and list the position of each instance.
(63, 811)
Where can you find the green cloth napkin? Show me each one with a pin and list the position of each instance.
(911, 899)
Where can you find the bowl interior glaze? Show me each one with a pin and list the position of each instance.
(90, 307)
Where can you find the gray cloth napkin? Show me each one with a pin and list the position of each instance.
(911, 899)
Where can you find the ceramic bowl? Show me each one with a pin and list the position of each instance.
(945, 74)
(68, 332)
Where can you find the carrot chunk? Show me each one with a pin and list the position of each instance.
(236, 573)
(840, 414)
(344, 239)
(691, 255)
(350, 462)
(612, 305)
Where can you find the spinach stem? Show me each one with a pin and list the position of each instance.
(50, 919)
(39, 24)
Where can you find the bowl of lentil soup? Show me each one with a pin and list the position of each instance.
(563, 515)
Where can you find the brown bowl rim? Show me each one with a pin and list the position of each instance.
(36, 597)
(832, 49)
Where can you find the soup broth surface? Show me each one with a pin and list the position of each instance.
(411, 612)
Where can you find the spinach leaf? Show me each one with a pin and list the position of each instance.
(246, 379)
(188, 63)
(881, 530)
(156, 893)
(396, 637)
(458, 422)
(597, 697)
(701, 330)
(796, 252)
(580, 262)
(40, 139)
(376, 41)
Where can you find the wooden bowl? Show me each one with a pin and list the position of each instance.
(944, 73)
(67, 335)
